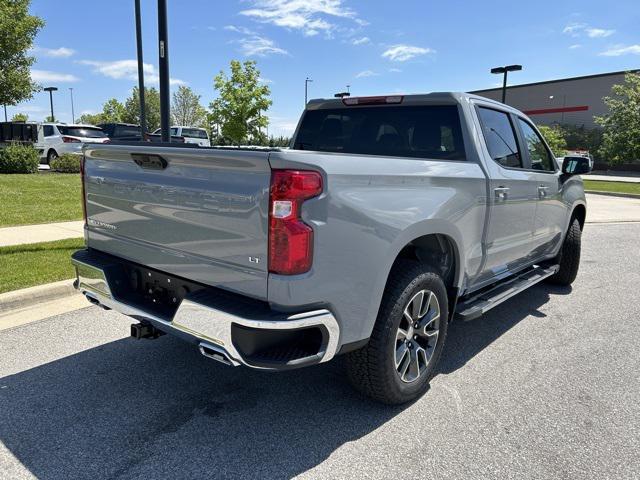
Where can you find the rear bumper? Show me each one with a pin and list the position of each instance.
(227, 327)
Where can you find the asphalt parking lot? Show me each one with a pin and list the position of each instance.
(545, 386)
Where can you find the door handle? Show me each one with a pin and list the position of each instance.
(501, 192)
(542, 190)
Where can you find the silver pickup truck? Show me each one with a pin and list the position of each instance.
(386, 219)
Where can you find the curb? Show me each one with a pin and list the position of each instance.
(614, 194)
(29, 296)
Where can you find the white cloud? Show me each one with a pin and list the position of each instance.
(367, 73)
(308, 16)
(361, 41)
(260, 47)
(47, 76)
(239, 29)
(395, 70)
(618, 50)
(574, 46)
(599, 32)
(402, 53)
(62, 52)
(128, 70)
(576, 29)
(265, 80)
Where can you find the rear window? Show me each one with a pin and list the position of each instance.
(82, 132)
(410, 131)
(194, 133)
(127, 131)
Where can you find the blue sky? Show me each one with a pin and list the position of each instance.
(375, 47)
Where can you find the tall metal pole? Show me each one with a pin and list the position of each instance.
(5, 113)
(163, 63)
(73, 113)
(143, 115)
(306, 82)
(504, 86)
(51, 90)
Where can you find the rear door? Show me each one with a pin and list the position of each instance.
(200, 214)
(550, 214)
(512, 199)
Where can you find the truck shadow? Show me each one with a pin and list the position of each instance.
(156, 409)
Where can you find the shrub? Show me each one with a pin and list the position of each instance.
(66, 163)
(17, 158)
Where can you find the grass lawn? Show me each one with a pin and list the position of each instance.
(616, 187)
(23, 266)
(39, 198)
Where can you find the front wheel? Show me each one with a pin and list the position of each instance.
(569, 256)
(407, 340)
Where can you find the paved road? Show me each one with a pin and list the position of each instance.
(545, 386)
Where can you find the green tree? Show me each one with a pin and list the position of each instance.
(621, 127)
(49, 119)
(17, 30)
(186, 109)
(242, 101)
(555, 138)
(112, 111)
(152, 108)
(20, 117)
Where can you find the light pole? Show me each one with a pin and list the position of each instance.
(504, 70)
(306, 82)
(143, 116)
(5, 113)
(51, 90)
(73, 113)
(163, 64)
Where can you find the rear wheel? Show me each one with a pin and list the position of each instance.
(51, 155)
(407, 340)
(569, 256)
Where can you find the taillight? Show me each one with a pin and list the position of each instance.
(290, 239)
(70, 140)
(84, 195)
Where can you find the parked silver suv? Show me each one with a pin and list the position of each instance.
(387, 217)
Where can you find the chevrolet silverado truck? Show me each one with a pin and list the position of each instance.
(386, 218)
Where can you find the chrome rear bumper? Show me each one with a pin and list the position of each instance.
(209, 324)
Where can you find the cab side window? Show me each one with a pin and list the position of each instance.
(500, 137)
(540, 156)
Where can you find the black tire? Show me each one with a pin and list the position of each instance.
(569, 256)
(51, 155)
(372, 369)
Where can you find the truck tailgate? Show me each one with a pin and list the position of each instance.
(200, 214)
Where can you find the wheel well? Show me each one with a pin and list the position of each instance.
(580, 213)
(437, 250)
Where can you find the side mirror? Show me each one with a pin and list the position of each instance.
(575, 165)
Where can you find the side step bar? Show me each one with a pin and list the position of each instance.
(480, 303)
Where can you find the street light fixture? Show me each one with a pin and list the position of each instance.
(51, 90)
(306, 82)
(504, 70)
(342, 94)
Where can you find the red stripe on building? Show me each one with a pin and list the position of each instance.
(580, 108)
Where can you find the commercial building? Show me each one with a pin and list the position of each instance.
(571, 101)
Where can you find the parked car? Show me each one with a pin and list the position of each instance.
(129, 132)
(122, 131)
(195, 135)
(55, 139)
(388, 217)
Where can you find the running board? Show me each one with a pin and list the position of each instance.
(480, 303)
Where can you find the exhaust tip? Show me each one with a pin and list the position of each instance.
(216, 353)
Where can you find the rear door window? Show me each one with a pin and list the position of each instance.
(194, 133)
(500, 137)
(48, 131)
(430, 131)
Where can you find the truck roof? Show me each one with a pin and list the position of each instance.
(410, 99)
